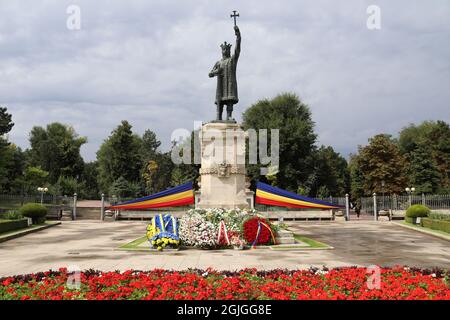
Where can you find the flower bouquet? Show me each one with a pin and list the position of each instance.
(163, 231)
(258, 231)
(196, 231)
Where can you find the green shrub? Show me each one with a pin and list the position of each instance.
(439, 216)
(12, 225)
(35, 211)
(441, 225)
(12, 215)
(410, 220)
(417, 211)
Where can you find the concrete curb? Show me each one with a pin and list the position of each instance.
(431, 233)
(22, 233)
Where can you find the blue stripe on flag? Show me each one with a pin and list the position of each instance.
(168, 192)
(287, 194)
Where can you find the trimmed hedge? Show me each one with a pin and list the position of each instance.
(410, 220)
(439, 216)
(11, 225)
(441, 225)
(35, 211)
(418, 210)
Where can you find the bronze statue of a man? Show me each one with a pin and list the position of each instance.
(225, 70)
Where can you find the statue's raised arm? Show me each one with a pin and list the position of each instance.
(237, 48)
(225, 71)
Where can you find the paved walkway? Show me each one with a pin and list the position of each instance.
(91, 244)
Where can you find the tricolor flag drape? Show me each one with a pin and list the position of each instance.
(177, 196)
(272, 196)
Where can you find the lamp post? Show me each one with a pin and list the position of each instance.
(42, 190)
(410, 191)
(382, 191)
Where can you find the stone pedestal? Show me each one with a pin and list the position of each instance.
(222, 171)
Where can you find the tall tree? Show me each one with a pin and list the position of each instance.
(158, 172)
(356, 178)
(12, 170)
(89, 179)
(380, 161)
(6, 125)
(332, 175)
(150, 145)
(56, 149)
(34, 178)
(293, 118)
(433, 136)
(119, 157)
(423, 172)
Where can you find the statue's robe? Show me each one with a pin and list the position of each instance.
(225, 69)
(226, 91)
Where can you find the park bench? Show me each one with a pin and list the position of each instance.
(397, 214)
(54, 213)
(384, 214)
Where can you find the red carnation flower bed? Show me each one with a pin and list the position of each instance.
(251, 230)
(344, 283)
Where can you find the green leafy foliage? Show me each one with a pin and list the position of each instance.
(380, 161)
(332, 174)
(35, 211)
(35, 177)
(428, 147)
(12, 215)
(297, 138)
(56, 149)
(417, 211)
(6, 125)
(436, 224)
(119, 156)
(439, 216)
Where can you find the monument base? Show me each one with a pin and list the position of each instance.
(222, 172)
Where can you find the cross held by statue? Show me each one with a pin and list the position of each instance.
(234, 16)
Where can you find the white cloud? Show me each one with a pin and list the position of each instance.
(147, 62)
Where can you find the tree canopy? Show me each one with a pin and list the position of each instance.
(56, 149)
(292, 117)
(382, 166)
(131, 165)
(431, 140)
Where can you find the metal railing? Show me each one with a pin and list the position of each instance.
(11, 201)
(402, 202)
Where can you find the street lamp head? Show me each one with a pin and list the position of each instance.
(407, 189)
(39, 189)
(413, 189)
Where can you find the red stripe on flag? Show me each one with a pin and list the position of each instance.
(174, 203)
(284, 204)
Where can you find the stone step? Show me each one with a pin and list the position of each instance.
(285, 237)
(66, 215)
(286, 240)
(284, 233)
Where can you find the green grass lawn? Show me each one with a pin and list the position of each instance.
(312, 243)
(427, 229)
(134, 245)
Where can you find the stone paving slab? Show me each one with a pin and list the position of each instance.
(93, 244)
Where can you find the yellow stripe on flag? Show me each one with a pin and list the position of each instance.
(271, 196)
(177, 196)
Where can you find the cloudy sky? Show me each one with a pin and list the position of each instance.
(147, 61)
